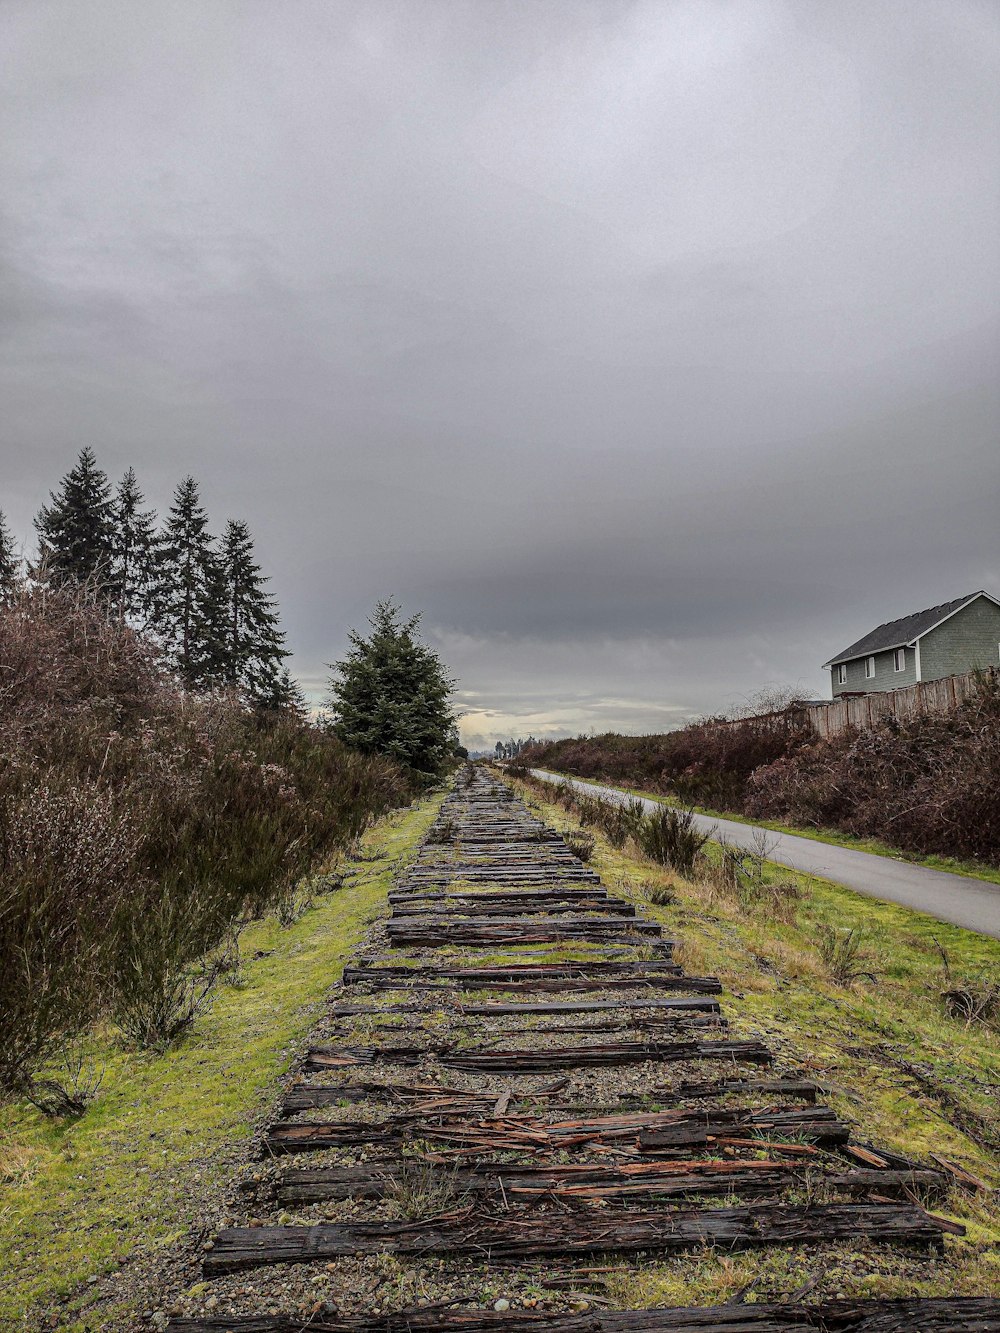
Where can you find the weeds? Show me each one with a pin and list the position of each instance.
(420, 1190)
(621, 821)
(742, 875)
(971, 1001)
(659, 894)
(581, 844)
(843, 955)
(68, 1090)
(294, 903)
(669, 838)
(442, 832)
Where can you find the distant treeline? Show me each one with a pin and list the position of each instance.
(929, 785)
(202, 600)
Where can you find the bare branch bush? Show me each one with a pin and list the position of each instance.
(140, 827)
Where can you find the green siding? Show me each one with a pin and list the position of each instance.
(970, 638)
(886, 676)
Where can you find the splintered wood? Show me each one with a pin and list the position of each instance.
(467, 1099)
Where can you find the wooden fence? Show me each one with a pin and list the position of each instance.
(864, 710)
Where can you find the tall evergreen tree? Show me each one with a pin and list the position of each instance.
(391, 694)
(253, 645)
(132, 553)
(75, 531)
(188, 596)
(10, 563)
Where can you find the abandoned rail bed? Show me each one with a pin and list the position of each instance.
(578, 1099)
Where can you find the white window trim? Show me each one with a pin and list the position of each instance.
(899, 659)
(870, 662)
(916, 659)
(842, 671)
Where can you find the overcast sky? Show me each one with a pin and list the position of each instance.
(649, 348)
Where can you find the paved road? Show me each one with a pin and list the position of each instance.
(972, 903)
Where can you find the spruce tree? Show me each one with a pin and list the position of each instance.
(391, 694)
(253, 647)
(10, 564)
(285, 694)
(132, 554)
(189, 590)
(75, 531)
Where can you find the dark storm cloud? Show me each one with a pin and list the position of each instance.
(649, 347)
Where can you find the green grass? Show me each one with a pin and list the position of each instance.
(954, 866)
(77, 1198)
(901, 1071)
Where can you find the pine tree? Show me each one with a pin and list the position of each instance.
(75, 531)
(391, 694)
(132, 554)
(253, 645)
(285, 695)
(10, 564)
(189, 591)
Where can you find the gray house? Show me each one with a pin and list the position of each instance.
(945, 640)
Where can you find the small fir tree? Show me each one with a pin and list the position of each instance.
(391, 694)
(76, 531)
(132, 554)
(10, 564)
(253, 645)
(284, 695)
(189, 591)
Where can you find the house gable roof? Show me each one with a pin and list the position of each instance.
(905, 631)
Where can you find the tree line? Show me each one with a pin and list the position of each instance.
(202, 599)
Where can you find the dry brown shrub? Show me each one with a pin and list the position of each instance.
(140, 826)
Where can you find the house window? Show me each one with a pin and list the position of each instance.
(842, 674)
(869, 668)
(899, 659)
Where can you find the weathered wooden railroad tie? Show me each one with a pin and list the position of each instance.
(537, 1153)
(958, 1315)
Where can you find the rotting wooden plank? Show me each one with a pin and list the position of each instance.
(527, 1182)
(661, 1132)
(309, 1096)
(532, 1235)
(409, 932)
(559, 987)
(651, 1026)
(504, 910)
(463, 867)
(816, 1124)
(563, 893)
(565, 924)
(477, 1060)
(524, 1183)
(666, 976)
(672, 1004)
(947, 1314)
(650, 972)
(802, 1089)
(697, 1003)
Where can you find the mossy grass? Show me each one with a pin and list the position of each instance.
(902, 1072)
(953, 865)
(79, 1197)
